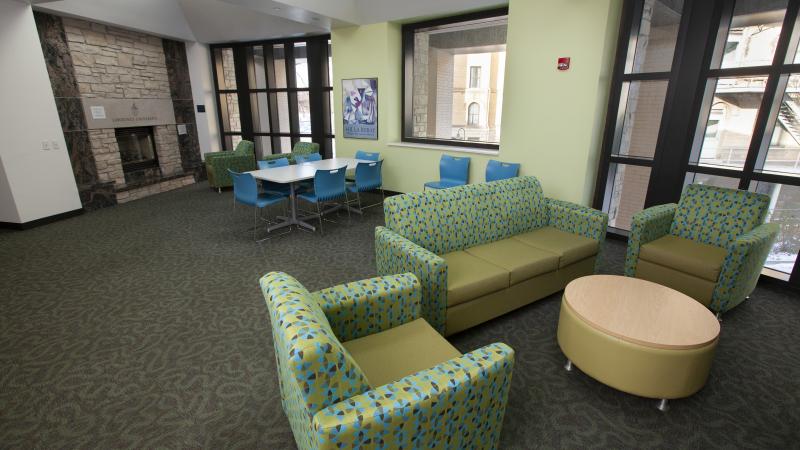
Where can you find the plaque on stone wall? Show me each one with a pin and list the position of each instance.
(122, 113)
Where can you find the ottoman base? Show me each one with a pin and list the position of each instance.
(629, 367)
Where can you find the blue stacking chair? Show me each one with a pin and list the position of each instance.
(299, 159)
(369, 156)
(498, 170)
(245, 191)
(306, 158)
(270, 186)
(329, 186)
(453, 171)
(368, 178)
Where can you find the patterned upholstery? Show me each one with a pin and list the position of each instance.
(457, 404)
(420, 226)
(300, 148)
(242, 159)
(353, 313)
(326, 397)
(727, 218)
(717, 216)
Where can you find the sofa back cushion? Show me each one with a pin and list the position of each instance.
(314, 369)
(717, 216)
(452, 219)
(245, 147)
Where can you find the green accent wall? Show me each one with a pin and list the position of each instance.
(552, 120)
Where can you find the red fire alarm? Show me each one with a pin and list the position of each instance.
(563, 63)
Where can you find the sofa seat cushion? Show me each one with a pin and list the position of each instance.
(521, 261)
(470, 277)
(569, 247)
(404, 350)
(684, 255)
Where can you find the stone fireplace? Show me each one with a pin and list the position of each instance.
(126, 109)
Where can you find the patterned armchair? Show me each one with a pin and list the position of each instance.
(300, 148)
(242, 159)
(710, 246)
(352, 374)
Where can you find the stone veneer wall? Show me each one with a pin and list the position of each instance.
(87, 59)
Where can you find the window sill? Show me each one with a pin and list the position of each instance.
(445, 148)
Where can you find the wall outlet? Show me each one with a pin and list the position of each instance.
(45, 145)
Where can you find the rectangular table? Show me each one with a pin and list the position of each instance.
(296, 173)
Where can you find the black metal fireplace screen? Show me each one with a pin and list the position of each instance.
(136, 148)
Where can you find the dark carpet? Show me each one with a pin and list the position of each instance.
(142, 326)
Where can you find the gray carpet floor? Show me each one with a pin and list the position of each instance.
(142, 326)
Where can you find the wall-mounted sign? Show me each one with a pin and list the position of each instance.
(98, 112)
(181, 128)
(122, 113)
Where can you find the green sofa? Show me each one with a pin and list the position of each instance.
(485, 249)
(300, 148)
(352, 376)
(242, 159)
(711, 245)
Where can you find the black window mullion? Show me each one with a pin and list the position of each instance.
(243, 91)
(770, 90)
(693, 51)
(317, 54)
(613, 121)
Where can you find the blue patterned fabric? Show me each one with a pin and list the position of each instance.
(717, 216)
(352, 311)
(460, 403)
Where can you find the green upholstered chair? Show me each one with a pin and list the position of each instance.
(242, 159)
(359, 368)
(300, 148)
(710, 246)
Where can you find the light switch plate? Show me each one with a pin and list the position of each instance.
(182, 128)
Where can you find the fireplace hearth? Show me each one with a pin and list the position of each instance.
(137, 148)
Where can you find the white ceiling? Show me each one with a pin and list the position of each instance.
(211, 21)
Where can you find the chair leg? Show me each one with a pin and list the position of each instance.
(358, 197)
(255, 223)
(219, 190)
(347, 207)
(319, 214)
(383, 195)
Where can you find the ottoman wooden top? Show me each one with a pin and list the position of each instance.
(641, 312)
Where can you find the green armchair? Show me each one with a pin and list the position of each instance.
(300, 148)
(242, 159)
(352, 373)
(710, 246)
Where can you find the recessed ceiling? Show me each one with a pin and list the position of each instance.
(211, 21)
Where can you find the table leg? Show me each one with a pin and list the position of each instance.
(568, 366)
(663, 405)
(292, 219)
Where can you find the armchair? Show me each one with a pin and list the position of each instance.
(242, 159)
(352, 374)
(300, 148)
(710, 246)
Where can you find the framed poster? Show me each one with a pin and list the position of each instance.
(360, 108)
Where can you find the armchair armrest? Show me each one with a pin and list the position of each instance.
(646, 226)
(577, 219)
(396, 254)
(369, 306)
(742, 266)
(460, 402)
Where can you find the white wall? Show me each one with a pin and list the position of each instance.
(40, 181)
(198, 58)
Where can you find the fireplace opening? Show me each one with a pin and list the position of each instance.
(136, 148)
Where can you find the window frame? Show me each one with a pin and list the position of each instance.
(406, 112)
(474, 77)
(702, 25)
(476, 122)
(319, 90)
